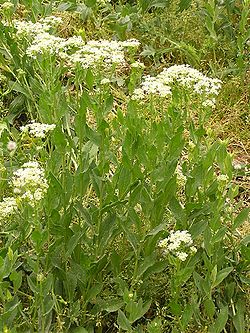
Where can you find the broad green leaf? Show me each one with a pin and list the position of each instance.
(16, 278)
(89, 79)
(186, 315)
(149, 261)
(241, 218)
(220, 322)
(221, 275)
(106, 232)
(156, 268)
(184, 4)
(137, 309)
(209, 308)
(94, 291)
(123, 321)
(73, 242)
(80, 330)
(3, 127)
(239, 318)
(112, 305)
(116, 263)
(33, 283)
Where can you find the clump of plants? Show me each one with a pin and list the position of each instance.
(117, 204)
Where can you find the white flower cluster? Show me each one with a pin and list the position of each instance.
(30, 30)
(176, 242)
(30, 183)
(73, 50)
(37, 130)
(44, 43)
(101, 52)
(184, 76)
(151, 85)
(7, 207)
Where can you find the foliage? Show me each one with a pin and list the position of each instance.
(121, 215)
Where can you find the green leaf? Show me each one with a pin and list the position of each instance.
(89, 79)
(116, 263)
(184, 4)
(90, 3)
(220, 322)
(16, 278)
(106, 232)
(32, 284)
(241, 218)
(149, 261)
(123, 322)
(154, 326)
(187, 315)
(156, 268)
(3, 127)
(112, 305)
(209, 308)
(221, 275)
(94, 291)
(59, 138)
(239, 318)
(73, 242)
(137, 309)
(109, 103)
(80, 330)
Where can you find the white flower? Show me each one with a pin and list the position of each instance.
(51, 21)
(182, 255)
(37, 130)
(193, 249)
(7, 207)
(180, 236)
(176, 242)
(163, 243)
(30, 30)
(11, 145)
(44, 43)
(29, 182)
(184, 76)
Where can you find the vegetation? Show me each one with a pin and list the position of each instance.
(124, 166)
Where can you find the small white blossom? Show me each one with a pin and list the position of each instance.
(130, 43)
(193, 249)
(44, 43)
(30, 183)
(7, 207)
(181, 255)
(37, 130)
(184, 76)
(176, 242)
(11, 145)
(30, 30)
